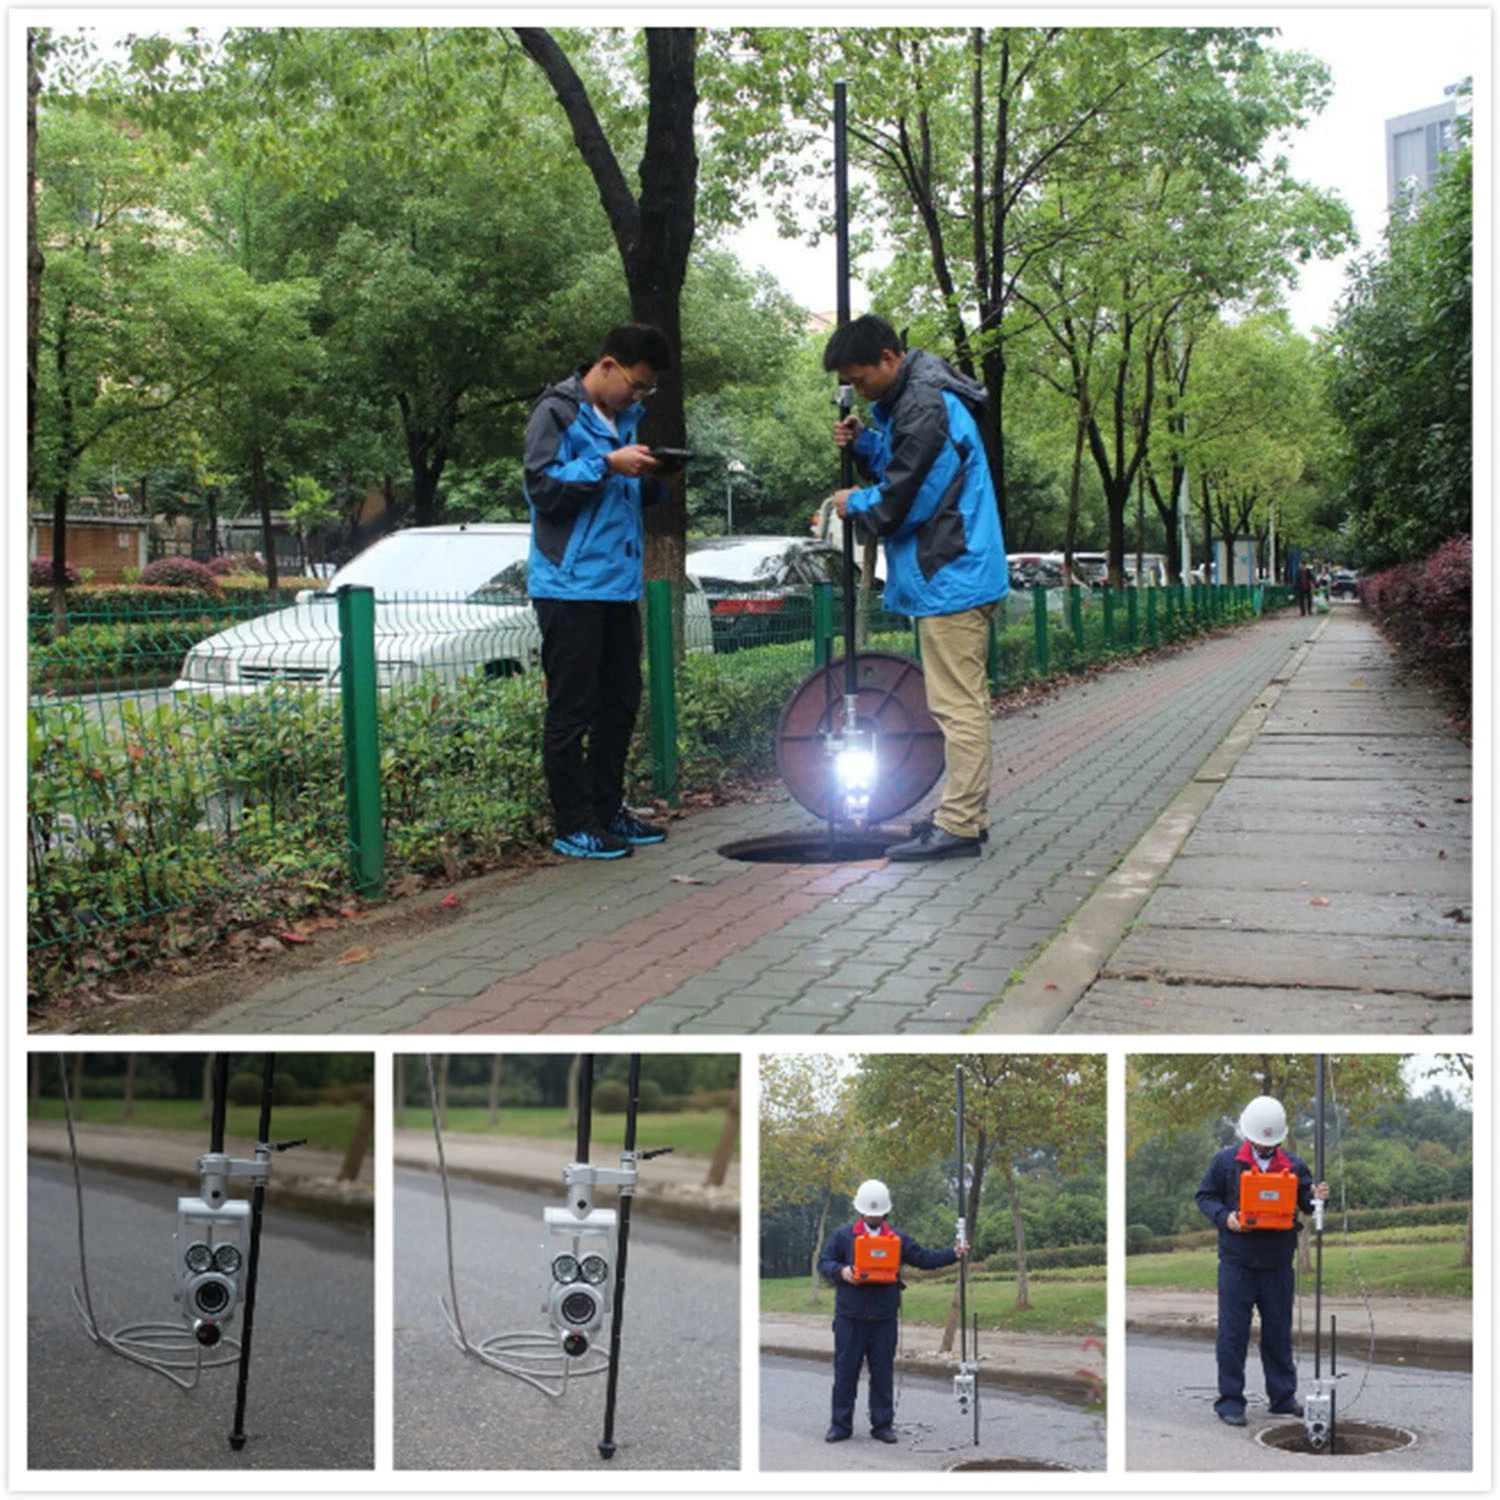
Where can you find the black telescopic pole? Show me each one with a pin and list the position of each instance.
(1317, 1218)
(252, 1265)
(841, 226)
(221, 1100)
(585, 1105)
(963, 1264)
(607, 1443)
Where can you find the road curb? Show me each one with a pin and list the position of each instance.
(1451, 1354)
(1042, 996)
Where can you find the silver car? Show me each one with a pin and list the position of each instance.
(450, 600)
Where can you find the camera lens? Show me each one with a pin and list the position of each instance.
(594, 1269)
(227, 1259)
(198, 1257)
(207, 1334)
(575, 1344)
(565, 1268)
(578, 1307)
(211, 1297)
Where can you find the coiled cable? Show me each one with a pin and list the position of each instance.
(533, 1357)
(166, 1348)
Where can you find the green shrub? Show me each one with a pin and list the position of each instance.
(244, 1089)
(1138, 1238)
(178, 572)
(611, 1097)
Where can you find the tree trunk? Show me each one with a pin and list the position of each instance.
(400, 1091)
(60, 360)
(359, 1142)
(207, 1112)
(1023, 1286)
(262, 492)
(718, 1169)
(78, 1087)
(34, 1089)
(130, 1085)
(495, 1091)
(35, 260)
(817, 1249)
(1468, 1257)
(443, 1090)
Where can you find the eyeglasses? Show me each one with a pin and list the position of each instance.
(639, 388)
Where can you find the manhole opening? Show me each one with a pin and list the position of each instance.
(814, 848)
(995, 1465)
(1350, 1439)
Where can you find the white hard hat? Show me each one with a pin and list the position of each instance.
(873, 1197)
(1264, 1122)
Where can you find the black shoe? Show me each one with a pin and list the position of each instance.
(934, 843)
(1233, 1418)
(884, 1435)
(834, 1435)
(591, 843)
(925, 825)
(1292, 1408)
(625, 825)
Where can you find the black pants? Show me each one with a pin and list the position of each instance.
(591, 654)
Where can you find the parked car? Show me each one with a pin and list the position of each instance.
(1030, 570)
(1343, 583)
(759, 588)
(449, 599)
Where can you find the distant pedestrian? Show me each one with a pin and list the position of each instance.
(586, 478)
(867, 1308)
(932, 501)
(1256, 1267)
(1302, 590)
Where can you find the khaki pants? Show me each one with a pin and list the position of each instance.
(954, 653)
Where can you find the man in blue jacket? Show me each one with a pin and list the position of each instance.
(866, 1313)
(586, 479)
(933, 502)
(1256, 1266)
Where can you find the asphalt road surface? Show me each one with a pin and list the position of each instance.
(1170, 1422)
(934, 1436)
(310, 1398)
(679, 1399)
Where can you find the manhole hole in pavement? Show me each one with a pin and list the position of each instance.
(995, 1465)
(814, 848)
(1349, 1439)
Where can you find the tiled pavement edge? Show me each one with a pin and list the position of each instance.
(1316, 875)
(680, 939)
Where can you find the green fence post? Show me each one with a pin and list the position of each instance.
(992, 648)
(822, 613)
(1133, 616)
(1109, 620)
(662, 668)
(1151, 616)
(1039, 620)
(1075, 620)
(361, 739)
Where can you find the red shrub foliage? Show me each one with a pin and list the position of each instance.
(239, 562)
(41, 573)
(1426, 609)
(178, 572)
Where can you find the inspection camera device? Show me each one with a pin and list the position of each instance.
(585, 1250)
(855, 743)
(966, 1381)
(215, 1257)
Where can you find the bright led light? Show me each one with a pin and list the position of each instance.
(855, 768)
(565, 1268)
(198, 1257)
(594, 1269)
(227, 1259)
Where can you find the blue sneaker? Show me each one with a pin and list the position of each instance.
(591, 843)
(625, 825)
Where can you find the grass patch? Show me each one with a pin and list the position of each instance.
(328, 1127)
(1056, 1307)
(1413, 1269)
(694, 1132)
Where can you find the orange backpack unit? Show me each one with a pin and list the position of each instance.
(1268, 1200)
(877, 1257)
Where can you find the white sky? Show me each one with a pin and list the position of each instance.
(1385, 62)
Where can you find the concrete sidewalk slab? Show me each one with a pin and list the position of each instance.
(1318, 879)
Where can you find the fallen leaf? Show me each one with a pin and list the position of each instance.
(292, 937)
(686, 879)
(1320, 901)
(1442, 854)
(356, 955)
(450, 899)
(1355, 1005)
(268, 945)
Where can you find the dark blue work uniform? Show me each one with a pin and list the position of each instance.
(865, 1321)
(1256, 1270)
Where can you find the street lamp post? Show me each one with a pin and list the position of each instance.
(733, 467)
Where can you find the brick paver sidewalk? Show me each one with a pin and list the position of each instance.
(680, 939)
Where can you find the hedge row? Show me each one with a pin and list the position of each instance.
(1426, 609)
(1139, 1240)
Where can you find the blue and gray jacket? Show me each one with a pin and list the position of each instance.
(587, 532)
(1219, 1196)
(932, 499)
(873, 1299)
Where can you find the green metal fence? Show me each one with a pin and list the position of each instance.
(195, 764)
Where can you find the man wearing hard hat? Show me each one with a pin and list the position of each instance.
(863, 1260)
(1252, 1193)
